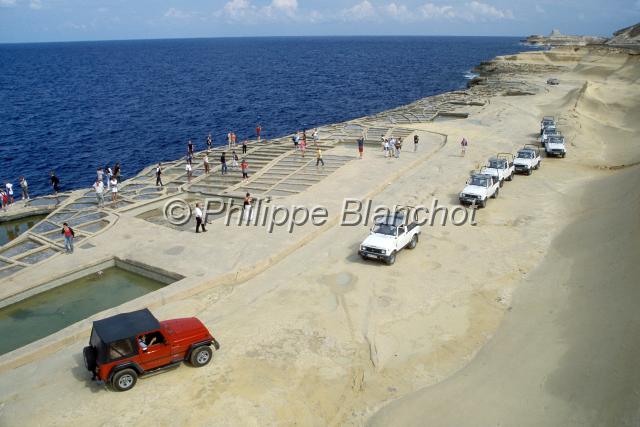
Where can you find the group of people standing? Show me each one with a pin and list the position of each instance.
(6, 193)
(392, 147)
(112, 177)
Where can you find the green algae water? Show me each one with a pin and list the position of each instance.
(48, 312)
(11, 229)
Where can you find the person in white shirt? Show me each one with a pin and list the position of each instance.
(199, 219)
(205, 161)
(25, 188)
(109, 173)
(189, 170)
(114, 188)
(98, 186)
(10, 192)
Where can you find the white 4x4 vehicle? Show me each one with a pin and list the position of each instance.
(527, 159)
(555, 146)
(389, 236)
(501, 167)
(479, 189)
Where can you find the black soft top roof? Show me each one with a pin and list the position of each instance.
(125, 325)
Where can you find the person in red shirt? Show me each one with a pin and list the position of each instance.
(258, 131)
(68, 237)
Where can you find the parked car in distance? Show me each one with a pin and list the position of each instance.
(389, 235)
(500, 167)
(555, 147)
(480, 187)
(527, 159)
(131, 345)
(547, 121)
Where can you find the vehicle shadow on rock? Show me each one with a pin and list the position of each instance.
(79, 371)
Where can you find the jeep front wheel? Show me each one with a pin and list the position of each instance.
(414, 242)
(391, 259)
(124, 380)
(200, 356)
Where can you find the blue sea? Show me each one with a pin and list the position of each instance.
(71, 107)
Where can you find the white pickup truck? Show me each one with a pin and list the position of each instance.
(500, 167)
(479, 188)
(389, 235)
(527, 159)
(555, 147)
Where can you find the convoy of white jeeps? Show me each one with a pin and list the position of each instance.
(390, 234)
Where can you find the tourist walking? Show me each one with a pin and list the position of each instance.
(303, 147)
(69, 235)
(416, 139)
(463, 144)
(296, 140)
(205, 162)
(100, 174)
(199, 219)
(247, 205)
(315, 137)
(361, 146)
(114, 188)
(209, 142)
(398, 147)
(109, 173)
(25, 188)
(116, 171)
(189, 170)
(4, 200)
(244, 147)
(319, 157)
(98, 187)
(233, 139)
(234, 160)
(190, 148)
(244, 167)
(387, 149)
(223, 164)
(159, 175)
(258, 131)
(55, 183)
(9, 187)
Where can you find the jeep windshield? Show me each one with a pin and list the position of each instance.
(497, 164)
(479, 181)
(386, 229)
(525, 155)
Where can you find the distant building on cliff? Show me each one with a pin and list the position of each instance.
(556, 38)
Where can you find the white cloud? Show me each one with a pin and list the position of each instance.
(7, 3)
(398, 11)
(288, 7)
(177, 14)
(359, 12)
(484, 10)
(430, 10)
(540, 9)
(35, 4)
(239, 10)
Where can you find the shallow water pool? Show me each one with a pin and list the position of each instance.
(11, 229)
(48, 312)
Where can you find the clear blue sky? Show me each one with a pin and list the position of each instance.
(60, 20)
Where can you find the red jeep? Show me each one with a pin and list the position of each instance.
(131, 345)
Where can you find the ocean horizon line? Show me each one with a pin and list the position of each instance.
(270, 37)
